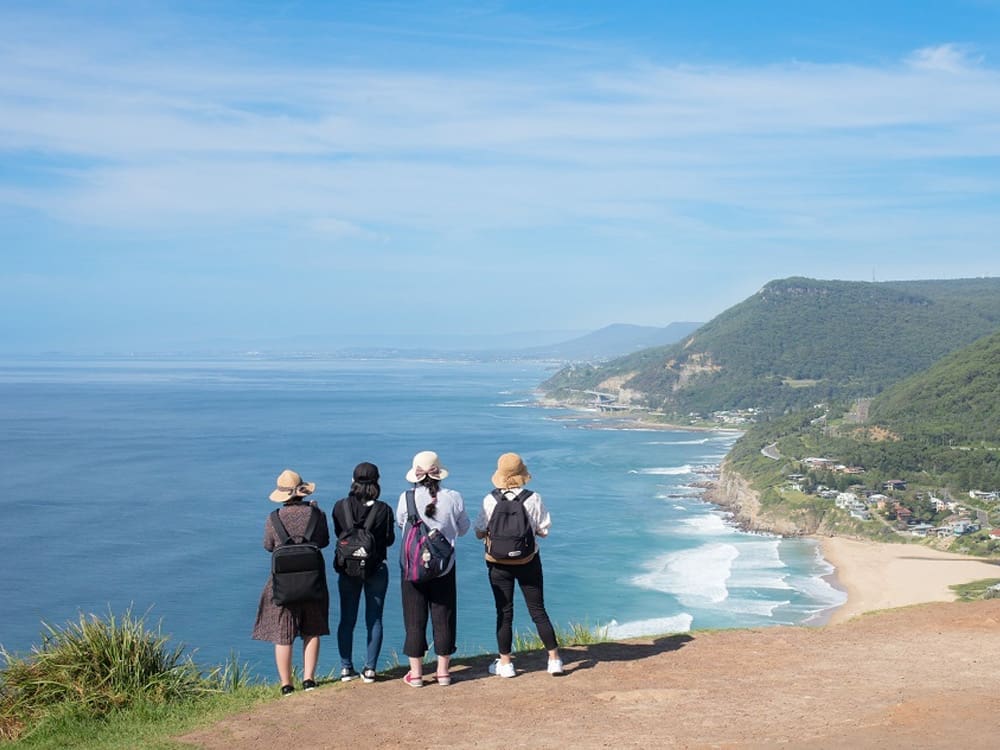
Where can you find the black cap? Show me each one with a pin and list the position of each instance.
(366, 473)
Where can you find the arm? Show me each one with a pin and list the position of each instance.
(321, 538)
(541, 521)
(483, 519)
(462, 522)
(270, 538)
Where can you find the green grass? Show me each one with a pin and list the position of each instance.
(102, 672)
(970, 592)
(576, 634)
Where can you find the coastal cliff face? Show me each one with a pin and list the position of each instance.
(733, 492)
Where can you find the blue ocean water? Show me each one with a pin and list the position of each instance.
(144, 483)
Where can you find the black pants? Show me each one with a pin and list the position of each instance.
(529, 578)
(437, 598)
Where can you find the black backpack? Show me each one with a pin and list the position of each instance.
(356, 553)
(510, 538)
(298, 572)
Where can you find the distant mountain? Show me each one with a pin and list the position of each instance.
(613, 341)
(797, 342)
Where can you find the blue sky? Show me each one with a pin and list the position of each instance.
(185, 174)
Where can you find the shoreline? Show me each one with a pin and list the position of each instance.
(873, 575)
(879, 575)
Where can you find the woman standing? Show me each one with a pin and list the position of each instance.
(309, 619)
(520, 563)
(442, 510)
(362, 509)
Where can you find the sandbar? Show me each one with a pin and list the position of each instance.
(883, 576)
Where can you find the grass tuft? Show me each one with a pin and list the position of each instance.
(98, 666)
(576, 634)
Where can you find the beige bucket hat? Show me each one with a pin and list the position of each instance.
(290, 485)
(511, 472)
(426, 464)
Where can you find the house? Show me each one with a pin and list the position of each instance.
(990, 497)
(894, 484)
(921, 529)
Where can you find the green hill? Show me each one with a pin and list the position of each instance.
(957, 400)
(797, 342)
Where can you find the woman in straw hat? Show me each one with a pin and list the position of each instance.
(307, 620)
(444, 510)
(509, 479)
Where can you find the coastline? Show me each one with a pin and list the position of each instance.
(878, 575)
(873, 575)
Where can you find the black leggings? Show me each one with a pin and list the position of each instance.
(529, 578)
(437, 598)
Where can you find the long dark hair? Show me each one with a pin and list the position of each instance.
(432, 485)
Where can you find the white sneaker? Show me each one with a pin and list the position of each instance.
(504, 670)
(555, 666)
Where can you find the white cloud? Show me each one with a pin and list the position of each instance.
(948, 58)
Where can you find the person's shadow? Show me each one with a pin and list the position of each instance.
(574, 658)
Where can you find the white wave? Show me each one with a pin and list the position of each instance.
(656, 626)
(696, 577)
(514, 405)
(664, 471)
(821, 591)
(678, 442)
(706, 524)
(759, 607)
(679, 507)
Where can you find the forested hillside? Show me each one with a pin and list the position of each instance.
(939, 428)
(798, 342)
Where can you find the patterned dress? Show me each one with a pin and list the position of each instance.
(280, 625)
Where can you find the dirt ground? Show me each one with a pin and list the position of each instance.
(926, 676)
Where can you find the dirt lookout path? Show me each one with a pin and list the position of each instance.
(926, 676)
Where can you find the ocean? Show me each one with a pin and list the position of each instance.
(142, 483)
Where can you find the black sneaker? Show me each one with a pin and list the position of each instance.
(308, 684)
(347, 674)
(287, 689)
(368, 674)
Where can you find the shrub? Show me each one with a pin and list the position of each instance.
(95, 666)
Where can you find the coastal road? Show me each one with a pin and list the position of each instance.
(771, 451)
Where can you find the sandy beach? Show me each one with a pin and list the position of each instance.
(881, 576)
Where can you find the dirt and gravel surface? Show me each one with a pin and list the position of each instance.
(926, 676)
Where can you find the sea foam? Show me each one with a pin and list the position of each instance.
(696, 577)
(665, 471)
(655, 626)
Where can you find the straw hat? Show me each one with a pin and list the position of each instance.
(426, 464)
(290, 485)
(511, 472)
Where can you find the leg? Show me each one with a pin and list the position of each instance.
(375, 588)
(502, 585)
(414, 621)
(443, 598)
(310, 656)
(350, 595)
(530, 579)
(283, 659)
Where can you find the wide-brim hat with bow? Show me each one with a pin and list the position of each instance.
(426, 464)
(511, 472)
(290, 485)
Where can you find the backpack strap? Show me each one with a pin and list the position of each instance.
(370, 517)
(347, 511)
(282, 532)
(313, 521)
(523, 495)
(519, 497)
(279, 528)
(411, 507)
